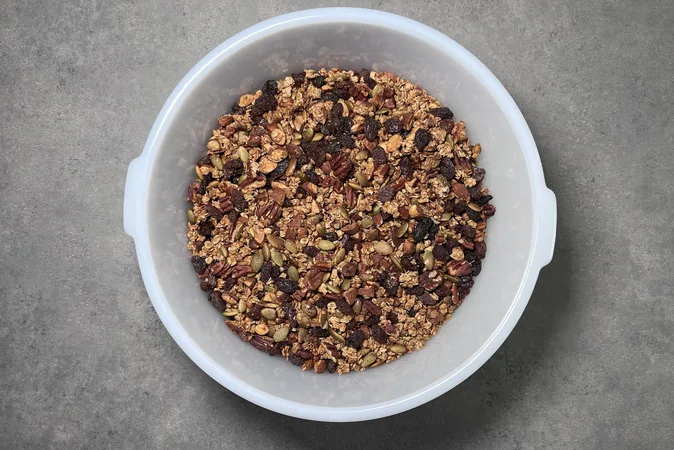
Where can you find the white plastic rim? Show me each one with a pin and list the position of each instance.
(136, 214)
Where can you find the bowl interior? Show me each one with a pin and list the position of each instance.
(354, 46)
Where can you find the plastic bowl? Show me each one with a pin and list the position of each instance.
(521, 235)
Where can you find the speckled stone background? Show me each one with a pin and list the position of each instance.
(84, 360)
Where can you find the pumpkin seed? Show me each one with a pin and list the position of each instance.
(399, 349)
(275, 241)
(362, 155)
(307, 133)
(383, 248)
(445, 217)
(303, 320)
(442, 180)
(336, 336)
(368, 360)
(402, 229)
(266, 251)
(301, 334)
(293, 274)
(276, 258)
(366, 222)
(320, 229)
(243, 155)
(291, 247)
(268, 313)
(346, 284)
(378, 89)
(364, 351)
(396, 262)
(317, 137)
(382, 111)
(242, 306)
(241, 179)
(323, 318)
(326, 277)
(376, 210)
(238, 231)
(339, 256)
(281, 334)
(474, 207)
(261, 329)
(355, 186)
(297, 135)
(333, 289)
(451, 279)
(429, 259)
(326, 245)
(343, 212)
(224, 252)
(230, 312)
(197, 170)
(310, 310)
(217, 162)
(256, 262)
(296, 142)
(357, 307)
(362, 179)
(190, 216)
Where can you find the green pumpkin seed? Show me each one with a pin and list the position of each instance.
(275, 241)
(445, 217)
(190, 216)
(230, 313)
(368, 360)
(367, 222)
(242, 306)
(238, 231)
(307, 134)
(442, 180)
(266, 251)
(336, 336)
(355, 186)
(357, 307)
(293, 274)
(281, 334)
(339, 256)
(383, 248)
(310, 310)
(343, 212)
(429, 259)
(396, 262)
(362, 155)
(268, 313)
(320, 229)
(378, 89)
(256, 262)
(276, 258)
(217, 162)
(382, 111)
(197, 170)
(271, 288)
(402, 229)
(364, 351)
(317, 137)
(333, 289)
(326, 245)
(346, 284)
(291, 247)
(224, 252)
(297, 135)
(243, 155)
(326, 277)
(399, 349)
(451, 279)
(362, 179)
(241, 179)
(323, 318)
(376, 210)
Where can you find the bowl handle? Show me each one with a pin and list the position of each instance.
(547, 229)
(135, 176)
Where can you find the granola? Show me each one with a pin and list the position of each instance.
(338, 218)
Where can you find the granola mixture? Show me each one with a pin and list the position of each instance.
(338, 218)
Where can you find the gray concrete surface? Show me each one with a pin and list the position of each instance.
(84, 360)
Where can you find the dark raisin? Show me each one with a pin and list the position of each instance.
(265, 272)
(214, 212)
(318, 81)
(206, 286)
(296, 359)
(415, 290)
(412, 263)
(342, 88)
(386, 194)
(474, 215)
(343, 306)
(393, 126)
(264, 104)
(367, 79)
(465, 231)
(312, 251)
(331, 126)
(469, 256)
(475, 192)
(427, 299)
(216, 300)
(386, 216)
(422, 228)
(465, 279)
(329, 96)
(337, 110)
(484, 200)
(389, 283)
(392, 317)
(407, 167)
(332, 366)
(331, 236)
(433, 231)
(348, 243)
(287, 203)
(404, 133)
(298, 78)
(228, 284)
(270, 87)
(371, 128)
(322, 302)
(355, 340)
(447, 168)
(477, 267)
(480, 249)
(347, 141)
(319, 332)
(286, 285)
(344, 125)
(199, 264)
(411, 312)
(421, 138)
(460, 207)
(440, 253)
(332, 147)
(378, 334)
(275, 272)
(379, 156)
(443, 113)
(255, 312)
(238, 200)
(280, 170)
(478, 174)
(315, 151)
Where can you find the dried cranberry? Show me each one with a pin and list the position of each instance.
(443, 113)
(386, 194)
(199, 264)
(393, 126)
(286, 285)
(371, 128)
(421, 139)
(355, 340)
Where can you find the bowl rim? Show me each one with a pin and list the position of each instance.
(135, 212)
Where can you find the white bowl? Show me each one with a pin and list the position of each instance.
(521, 235)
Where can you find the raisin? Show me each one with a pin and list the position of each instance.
(331, 236)
(264, 104)
(322, 302)
(347, 141)
(367, 79)
(332, 366)
(440, 253)
(465, 231)
(332, 147)
(427, 299)
(474, 215)
(270, 87)
(460, 207)
(378, 334)
(379, 156)
(337, 110)
(371, 320)
(312, 251)
(275, 272)
(341, 89)
(265, 272)
(228, 284)
(343, 306)
(319, 332)
(216, 300)
(389, 283)
(286, 285)
(312, 176)
(477, 267)
(318, 81)
(411, 263)
(236, 109)
(371, 128)
(480, 250)
(469, 256)
(344, 125)
(255, 312)
(421, 138)
(206, 228)
(238, 200)
(298, 78)
(411, 312)
(443, 113)
(329, 96)
(315, 151)
(475, 192)
(280, 170)
(349, 269)
(199, 264)
(478, 174)
(415, 290)
(447, 168)
(422, 228)
(407, 167)
(484, 200)
(393, 126)
(355, 340)
(296, 359)
(348, 243)
(392, 317)
(214, 212)
(386, 194)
